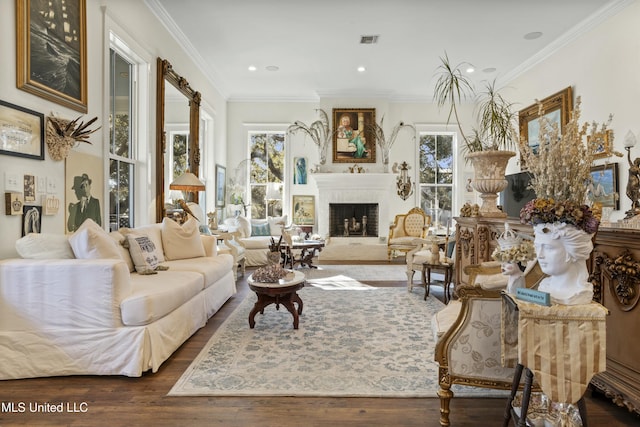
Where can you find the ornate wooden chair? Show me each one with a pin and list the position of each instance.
(468, 348)
(405, 228)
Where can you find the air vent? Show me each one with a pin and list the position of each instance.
(369, 39)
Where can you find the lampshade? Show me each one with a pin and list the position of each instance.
(187, 182)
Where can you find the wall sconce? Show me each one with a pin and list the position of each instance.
(403, 182)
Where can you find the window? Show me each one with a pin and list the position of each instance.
(267, 156)
(436, 174)
(121, 142)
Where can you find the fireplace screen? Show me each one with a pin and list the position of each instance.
(353, 219)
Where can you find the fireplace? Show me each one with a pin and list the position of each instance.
(353, 219)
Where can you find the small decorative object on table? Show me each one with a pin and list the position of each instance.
(513, 252)
(270, 274)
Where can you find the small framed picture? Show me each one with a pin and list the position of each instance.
(304, 210)
(22, 132)
(31, 219)
(221, 186)
(603, 186)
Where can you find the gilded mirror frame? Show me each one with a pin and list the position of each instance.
(166, 73)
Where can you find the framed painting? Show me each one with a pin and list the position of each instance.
(304, 210)
(556, 108)
(51, 51)
(221, 180)
(603, 186)
(84, 188)
(300, 170)
(353, 137)
(603, 143)
(22, 132)
(31, 219)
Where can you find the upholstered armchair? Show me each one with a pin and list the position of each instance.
(405, 228)
(468, 330)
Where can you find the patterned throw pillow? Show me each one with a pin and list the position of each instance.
(144, 253)
(260, 229)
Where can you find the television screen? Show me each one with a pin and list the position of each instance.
(517, 193)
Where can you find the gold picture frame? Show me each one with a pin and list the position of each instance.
(303, 210)
(353, 136)
(51, 51)
(604, 143)
(557, 108)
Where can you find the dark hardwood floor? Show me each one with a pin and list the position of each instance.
(122, 401)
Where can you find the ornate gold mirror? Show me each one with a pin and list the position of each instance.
(167, 106)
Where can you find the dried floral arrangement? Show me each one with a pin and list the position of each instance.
(270, 274)
(561, 166)
(549, 211)
(384, 143)
(319, 132)
(63, 135)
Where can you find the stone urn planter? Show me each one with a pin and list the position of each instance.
(489, 168)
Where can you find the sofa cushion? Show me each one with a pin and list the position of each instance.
(260, 229)
(123, 249)
(90, 241)
(211, 268)
(153, 297)
(44, 246)
(257, 242)
(144, 252)
(443, 319)
(154, 232)
(276, 223)
(181, 241)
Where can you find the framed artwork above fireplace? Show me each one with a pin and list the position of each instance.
(353, 136)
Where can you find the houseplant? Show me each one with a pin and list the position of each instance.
(319, 132)
(385, 143)
(487, 147)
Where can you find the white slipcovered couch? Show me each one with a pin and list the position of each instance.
(255, 236)
(88, 305)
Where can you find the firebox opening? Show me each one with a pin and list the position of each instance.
(353, 219)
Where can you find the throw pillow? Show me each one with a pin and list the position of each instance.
(244, 226)
(44, 246)
(276, 223)
(181, 242)
(123, 249)
(90, 241)
(260, 229)
(144, 253)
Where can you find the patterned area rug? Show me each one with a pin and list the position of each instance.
(365, 341)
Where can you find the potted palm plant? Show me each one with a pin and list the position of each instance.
(487, 148)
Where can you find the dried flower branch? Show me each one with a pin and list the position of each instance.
(319, 132)
(71, 129)
(384, 143)
(561, 165)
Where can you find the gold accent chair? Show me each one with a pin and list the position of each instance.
(405, 229)
(468, 348)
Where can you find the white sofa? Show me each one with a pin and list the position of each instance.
(86, 305)
(255, 236)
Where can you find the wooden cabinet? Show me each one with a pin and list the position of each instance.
(615, 274)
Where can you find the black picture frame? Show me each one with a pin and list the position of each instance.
(22, 132)
(31, 219)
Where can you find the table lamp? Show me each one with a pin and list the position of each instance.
(187, 183)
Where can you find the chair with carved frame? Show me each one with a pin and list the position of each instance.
(405, 229)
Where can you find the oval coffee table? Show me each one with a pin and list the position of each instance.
(284, 292)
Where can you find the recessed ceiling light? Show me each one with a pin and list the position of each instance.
(252, 68)
(489, 70)
(361, 69)
(533, 35)
(272, 68)
(470, 69)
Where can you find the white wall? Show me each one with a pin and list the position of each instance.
(602, 67)
(140, 25)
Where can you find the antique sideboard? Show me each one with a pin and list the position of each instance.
(615, 273)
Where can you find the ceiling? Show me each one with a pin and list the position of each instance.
(316, 47)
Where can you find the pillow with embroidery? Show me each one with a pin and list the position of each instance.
(260, 229)
(144, 253)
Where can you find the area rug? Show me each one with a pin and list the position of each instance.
(343, 276)
(365, 342)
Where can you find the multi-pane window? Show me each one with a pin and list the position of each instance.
(266, 173)
(121, 142)
(436, 175)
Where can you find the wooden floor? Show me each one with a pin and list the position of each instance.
(122, 401)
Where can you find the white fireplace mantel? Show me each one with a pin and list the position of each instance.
(353, 188)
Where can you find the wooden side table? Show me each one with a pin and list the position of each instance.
(284, 292)
(446, 269)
